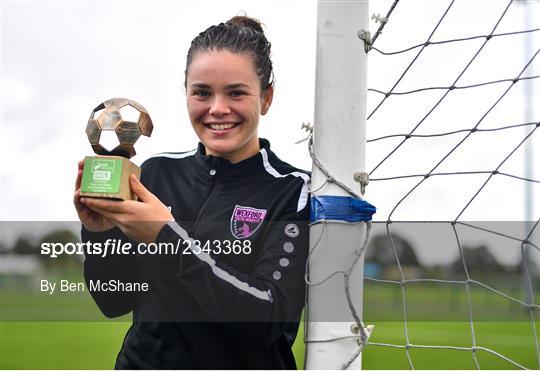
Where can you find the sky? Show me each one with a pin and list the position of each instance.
(60, 59)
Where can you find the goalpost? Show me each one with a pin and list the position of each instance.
(335, 335)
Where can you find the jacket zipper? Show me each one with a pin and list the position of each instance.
(203, 208)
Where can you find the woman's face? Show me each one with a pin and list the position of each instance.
(225, 101)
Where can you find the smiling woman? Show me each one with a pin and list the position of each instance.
(235, 288)
(229, 85)
(224, 103)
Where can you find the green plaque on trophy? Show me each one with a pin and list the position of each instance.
(107, 175)
(102, 175)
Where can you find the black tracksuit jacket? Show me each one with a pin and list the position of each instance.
(210, 309)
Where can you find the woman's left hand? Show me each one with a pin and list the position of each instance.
(140, 220)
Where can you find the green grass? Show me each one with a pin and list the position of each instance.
(382, 303)
(511, 339)
(55, 332)
(85, 345)
(60, 345)
(441, 303)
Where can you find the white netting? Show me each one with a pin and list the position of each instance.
(450, 137)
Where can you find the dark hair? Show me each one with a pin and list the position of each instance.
(240, 34)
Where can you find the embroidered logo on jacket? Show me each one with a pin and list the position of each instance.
(245, 221)
(292, 230)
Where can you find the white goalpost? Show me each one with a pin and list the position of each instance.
(334, 334)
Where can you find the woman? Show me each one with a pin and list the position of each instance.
(231, 295)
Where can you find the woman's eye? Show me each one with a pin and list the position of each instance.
(201, 93)
(237, 93)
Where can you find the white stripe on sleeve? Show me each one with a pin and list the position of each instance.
(304, 194)
(174, 155)
(220, 273)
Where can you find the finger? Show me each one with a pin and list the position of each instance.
(117, 207)
(79, 179)
(80, 166)
(108, 214)
(140, 190)
(77, 200)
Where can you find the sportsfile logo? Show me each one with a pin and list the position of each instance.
(113, 246)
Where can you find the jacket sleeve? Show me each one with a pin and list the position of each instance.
(265, 300)
(120, 267)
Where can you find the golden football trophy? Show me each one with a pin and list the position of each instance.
(107, 175)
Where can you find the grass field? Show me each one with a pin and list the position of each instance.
(513, 340)
(91, 345)
(68, 332)
(60, 345)
(382, 303)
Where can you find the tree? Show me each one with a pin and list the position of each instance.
(479, 260)
(62, 236)
(25, 245)
(380, 251)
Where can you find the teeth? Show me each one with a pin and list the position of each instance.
(221, 126)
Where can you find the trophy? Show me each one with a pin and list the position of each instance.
(107, 175)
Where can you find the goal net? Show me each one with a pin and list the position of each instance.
(451, 132)
(452, 267)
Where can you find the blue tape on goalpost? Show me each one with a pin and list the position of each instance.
(342, 208)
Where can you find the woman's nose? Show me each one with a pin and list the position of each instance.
(219, 106)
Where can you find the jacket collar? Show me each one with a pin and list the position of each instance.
(224, 168)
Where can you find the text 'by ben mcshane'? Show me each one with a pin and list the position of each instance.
(95, 285)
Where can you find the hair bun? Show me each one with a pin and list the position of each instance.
(244, 21)
(240, 34)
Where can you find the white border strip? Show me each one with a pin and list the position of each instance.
(302, 200)
(220, 273)
(174, 155)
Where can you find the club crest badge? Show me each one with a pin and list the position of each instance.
(246, 220)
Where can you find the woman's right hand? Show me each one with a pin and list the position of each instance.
(91, 220)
